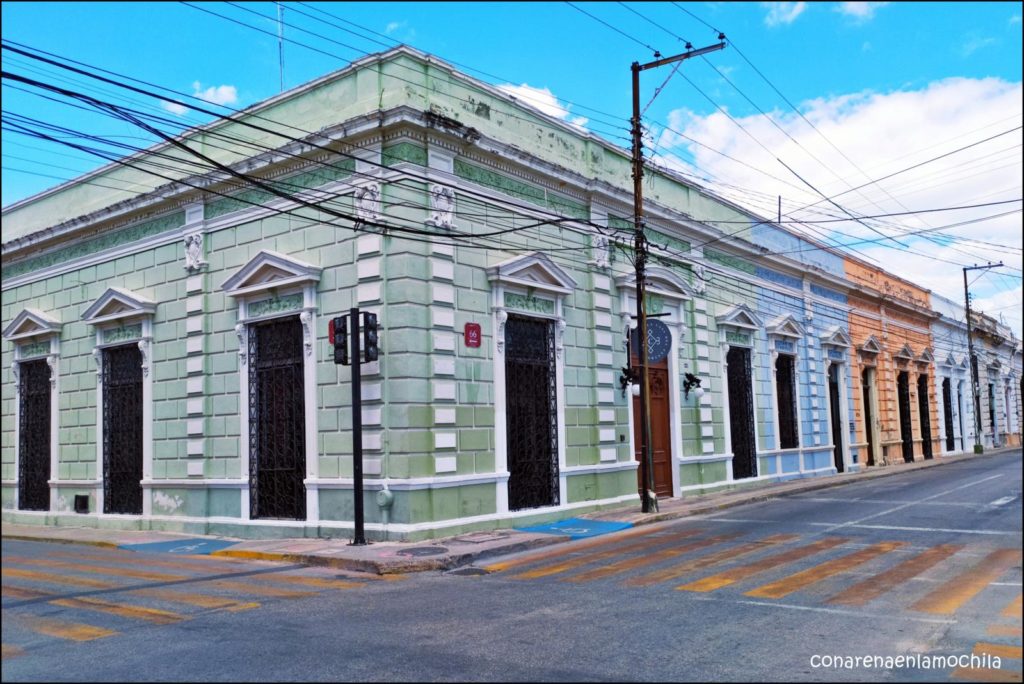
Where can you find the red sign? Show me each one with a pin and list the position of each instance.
(473, 335)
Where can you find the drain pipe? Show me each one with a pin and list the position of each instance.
(385, 498)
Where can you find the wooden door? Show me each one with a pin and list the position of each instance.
(661, 435)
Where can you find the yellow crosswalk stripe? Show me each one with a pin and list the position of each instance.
(986, 674)
(199, 563)
(97, 570)
(1001, 650)
(1005, 630)
(1013, 609)
(12, 651)
(949, 596)
(728, 577)
(556, 568)
(561, 550)
(23, 593)
(72, 631)
(887, 580)
(160, 617)
(321, 582)
(200, 600)
(822, 571)
(55, 579)
(676, 571)
(628, 564)
(275, 592)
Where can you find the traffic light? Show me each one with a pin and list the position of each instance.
(337, 331)
(370, 336)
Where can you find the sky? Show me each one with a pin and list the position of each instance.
(839, 108)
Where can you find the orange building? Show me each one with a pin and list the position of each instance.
(893, 374)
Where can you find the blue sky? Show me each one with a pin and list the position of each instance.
(887, 86)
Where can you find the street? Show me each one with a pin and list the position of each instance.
(925, 563)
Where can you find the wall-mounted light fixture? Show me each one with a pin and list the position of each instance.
(692, 382)
(630, 376)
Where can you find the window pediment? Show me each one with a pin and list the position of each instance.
(31, 323)
(871, 345)
(926, 356)
(660, 281)
(836, 337)
(740, 316)
(785, 326)
(905, 353)
(534, 271)
(118, 304)
(270, 270)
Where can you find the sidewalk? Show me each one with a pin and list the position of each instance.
(447, 553)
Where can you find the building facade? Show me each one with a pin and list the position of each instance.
(169, 364)
(891, 320)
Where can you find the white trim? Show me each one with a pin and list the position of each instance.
(195, 483)
(348, 525)
(301, 278)
(42, 323)
(676, 299)
(512, 280)
(135, 308)
(533, 271)
(51, 335)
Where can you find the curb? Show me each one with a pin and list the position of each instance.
(395, 566)
(390, 566)
(60, 540)
(811, 486)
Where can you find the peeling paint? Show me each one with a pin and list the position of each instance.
(167, 503)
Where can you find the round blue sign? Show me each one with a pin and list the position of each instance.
(659, 340)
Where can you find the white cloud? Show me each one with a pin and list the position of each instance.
(782, 12)
(220, 95)
(883, 133)
(393, 26)
(174, 107)
(974, 43)
(861, 12)
(1015, 19)
(544, 100)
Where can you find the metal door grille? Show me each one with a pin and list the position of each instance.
(925, 415)
(869, 417)
(531, 409)
(947, 413)
(786, 397)
(34, 436)
(837, 424)
(906, 431)
(122, 430)
(741, 413)
(277, 421)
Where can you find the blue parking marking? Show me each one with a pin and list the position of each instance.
(181, 546)
(578, 528)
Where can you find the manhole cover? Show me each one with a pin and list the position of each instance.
(423, 551)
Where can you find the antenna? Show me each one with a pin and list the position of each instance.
(280, 43)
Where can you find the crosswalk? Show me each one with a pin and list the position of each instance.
(937, 583)
(100, 595)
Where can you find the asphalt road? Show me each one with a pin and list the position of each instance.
(923, 564)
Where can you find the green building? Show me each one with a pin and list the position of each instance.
(168, 350)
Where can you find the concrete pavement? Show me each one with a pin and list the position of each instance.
(451, 552)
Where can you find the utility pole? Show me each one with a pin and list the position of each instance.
(975, 390)
(647, 501)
